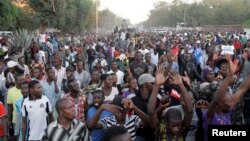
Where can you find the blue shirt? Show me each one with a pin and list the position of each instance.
(97, 134)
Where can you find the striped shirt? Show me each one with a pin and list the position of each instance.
(132, 123)
(55, 132)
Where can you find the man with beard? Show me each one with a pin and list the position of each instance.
(98, 98)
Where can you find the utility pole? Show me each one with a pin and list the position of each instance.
(96, 15)
(184, 17)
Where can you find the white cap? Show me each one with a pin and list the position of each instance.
(11, 64)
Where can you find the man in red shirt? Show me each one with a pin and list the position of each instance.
(3, 123)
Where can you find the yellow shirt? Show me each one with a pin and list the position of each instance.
(13, 95)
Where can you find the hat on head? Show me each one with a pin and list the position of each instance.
(220, 61)
(146, 78)
(11, 64)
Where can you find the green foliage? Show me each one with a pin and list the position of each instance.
(8, 14)
(207, 12)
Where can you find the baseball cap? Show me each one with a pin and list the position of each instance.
(11, 64)
(146, 78)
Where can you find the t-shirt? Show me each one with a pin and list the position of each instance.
(36, 112)
(112, 94)
(138, 69)
(132, 123)
(97, 134)
(13, 95)
(218, 119)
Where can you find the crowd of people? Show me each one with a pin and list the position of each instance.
(124, 86)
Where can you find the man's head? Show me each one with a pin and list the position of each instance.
(173, 120)
(95, 75)
(98, 98)
(51, 73)
(73, 86)
(21, 60)
(148, 57)
(79, 65)
(70, 72)
(116, 133)
(138, 56)
(147, 81)
(114, 65)
(36, 72)
(19, 79)
(25, 89)
(65, 109)
(57, 61)
(35, 88)
(117, 101)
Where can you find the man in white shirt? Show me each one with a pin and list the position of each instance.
(36, 113)
(119, 74)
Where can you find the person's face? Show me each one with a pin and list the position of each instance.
(114, 79)
(148, 57)
(224, 69)
(95, 76)
(69, 74)
(80, 66)
(210, 76)
(24, 90)
(36, 73)
(109, 81)
(114, 65)
(138, 57)
(123, 137)
(20, 80)
(37, 90)
(57, 62)
(133, 84)
(75, 86)
(68, 111)
(22, 61)
(175, 126)
(149, 86)
(98, 99)
(51, 74)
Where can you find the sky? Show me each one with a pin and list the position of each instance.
(134, 10)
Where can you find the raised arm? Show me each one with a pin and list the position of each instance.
(94, 122)
(221, 92)
(188, 105)
(160, 79)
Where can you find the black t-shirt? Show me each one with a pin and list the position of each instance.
(146, 132)
(138, 69)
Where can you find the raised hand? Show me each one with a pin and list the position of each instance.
(186, 79)
(232, 65)
(175, 78)
(160, 78)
